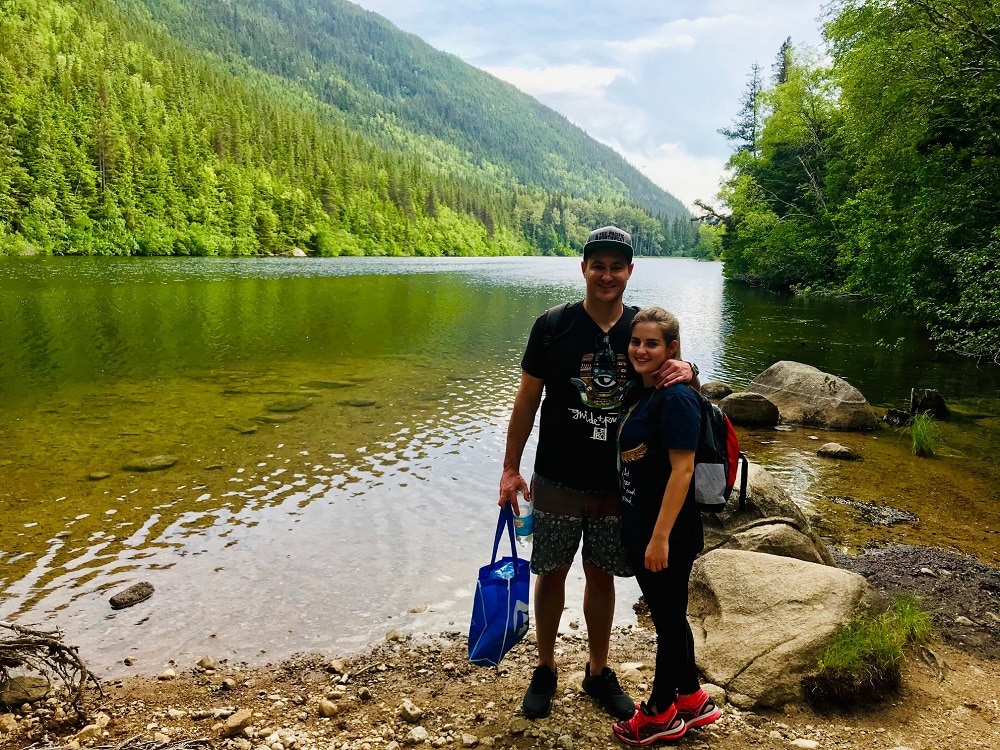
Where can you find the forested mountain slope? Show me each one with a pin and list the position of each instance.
(369, 69)
(128, 134)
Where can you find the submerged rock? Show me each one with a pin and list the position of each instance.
(272, 418)
(320, 385)
(289, 405)
(134, 594)
(151, 463)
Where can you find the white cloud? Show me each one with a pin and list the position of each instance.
(681, 174)
(585, 81)
(654, 80)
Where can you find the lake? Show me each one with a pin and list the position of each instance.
(339, 425)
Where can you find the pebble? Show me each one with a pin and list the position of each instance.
(417, 736)
(409, 712)
(469, 740)
(328, 709)
(805, 744)
(168, 674)
(237, 723)
(207, 662)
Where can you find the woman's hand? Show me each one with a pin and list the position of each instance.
(657, 552)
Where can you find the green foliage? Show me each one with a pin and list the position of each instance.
(709, 245)
(863, 661)
(882, 189)
(925, 434)
(162, 128)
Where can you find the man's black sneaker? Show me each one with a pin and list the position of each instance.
(538, 700)
(604, 688)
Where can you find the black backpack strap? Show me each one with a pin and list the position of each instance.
(552, 317)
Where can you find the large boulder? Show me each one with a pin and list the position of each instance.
(808, 396)
(760, 622)
(750, 410)
(770, 522)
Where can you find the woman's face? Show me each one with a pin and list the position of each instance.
(647, 350)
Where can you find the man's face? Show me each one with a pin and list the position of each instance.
(606, 273)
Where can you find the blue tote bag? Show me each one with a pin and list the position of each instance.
(500, 609)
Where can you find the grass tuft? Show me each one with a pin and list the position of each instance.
(864, 660)
(925, 434)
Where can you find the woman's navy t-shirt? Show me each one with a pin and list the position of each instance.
(664, 420)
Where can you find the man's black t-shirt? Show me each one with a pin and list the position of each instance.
(587, 377)
(661, 421)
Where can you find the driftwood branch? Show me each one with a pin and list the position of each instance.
(43, 652)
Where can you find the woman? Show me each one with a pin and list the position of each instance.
(661, 530)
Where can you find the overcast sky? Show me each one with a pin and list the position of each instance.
(653, 79)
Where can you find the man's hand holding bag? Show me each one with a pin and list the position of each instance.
(500, 609)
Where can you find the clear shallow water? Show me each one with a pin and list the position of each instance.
(373, 506)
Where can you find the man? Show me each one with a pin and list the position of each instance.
(583, 368)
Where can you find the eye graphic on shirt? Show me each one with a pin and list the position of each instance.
(604, 377)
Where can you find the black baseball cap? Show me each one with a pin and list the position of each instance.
(609, 238)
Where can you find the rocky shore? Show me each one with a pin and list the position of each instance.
(416, 692)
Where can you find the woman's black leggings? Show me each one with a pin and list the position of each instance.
(666, 594)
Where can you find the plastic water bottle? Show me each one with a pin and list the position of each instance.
(524, 522)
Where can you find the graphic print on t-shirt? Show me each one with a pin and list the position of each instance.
(604, 377)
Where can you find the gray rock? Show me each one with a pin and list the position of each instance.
(417, 736)
(760, 622)
(151, 463)
(273, 418)
(808, 396)
(838, 451)
(768, 505)
(244, 429)
(358, 403)
(750, 409)
(715, 390)
(96, 476)
(776, 539)
(409, 712)
(23, 689)
(137, 592)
